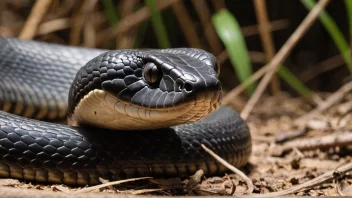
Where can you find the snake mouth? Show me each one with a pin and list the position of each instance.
(101, 109)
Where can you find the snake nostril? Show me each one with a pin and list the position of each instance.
(181, 85)
(188, 86)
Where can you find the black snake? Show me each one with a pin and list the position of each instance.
(151, 85)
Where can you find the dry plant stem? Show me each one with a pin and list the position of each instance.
(328, 141)
(282, 54)
(232, 168)
(276, 25)
(132, 20)
(104, 181)
(142, 191)
(218, 4)
(266, 38)
(290, 135)
(126, 39)
(255, 57)
(314, 71)
(61, 9)
(88, 189)
(204, 15)
(30, 27)
(239, 89)
(54, 25)
(328, 176)
(331, 100)
(188, 27)
(89, 35)
(79, 19)
(140, 15)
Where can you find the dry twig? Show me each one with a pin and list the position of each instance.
(232, 168)
(331, 100)
(109, 184)
(282, 54)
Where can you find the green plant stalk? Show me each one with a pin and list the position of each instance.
(230, 33)
(334, 32)
(158, 24)
(110, 12)
(294, 82)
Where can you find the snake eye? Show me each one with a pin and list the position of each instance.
(151, 73)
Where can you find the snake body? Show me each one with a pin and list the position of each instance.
(35, 79)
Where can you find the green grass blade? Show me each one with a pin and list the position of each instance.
(230, 33)
(158, 24)
(334, 32)
(110, 12)
(294, 82)
(349, 16)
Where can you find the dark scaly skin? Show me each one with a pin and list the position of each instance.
(33, 150)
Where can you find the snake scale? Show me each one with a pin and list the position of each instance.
(41, 81)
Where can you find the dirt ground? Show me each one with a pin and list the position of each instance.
(287, 151)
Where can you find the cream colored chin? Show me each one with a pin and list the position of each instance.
(104, 110)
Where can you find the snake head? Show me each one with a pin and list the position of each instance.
(146, 89)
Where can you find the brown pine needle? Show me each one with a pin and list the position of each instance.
(233, 169)
(84, 190)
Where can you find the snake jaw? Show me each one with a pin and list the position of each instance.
(104, 110)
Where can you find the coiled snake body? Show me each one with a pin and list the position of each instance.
(155, 93)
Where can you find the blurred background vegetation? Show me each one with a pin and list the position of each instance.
(243, 34)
